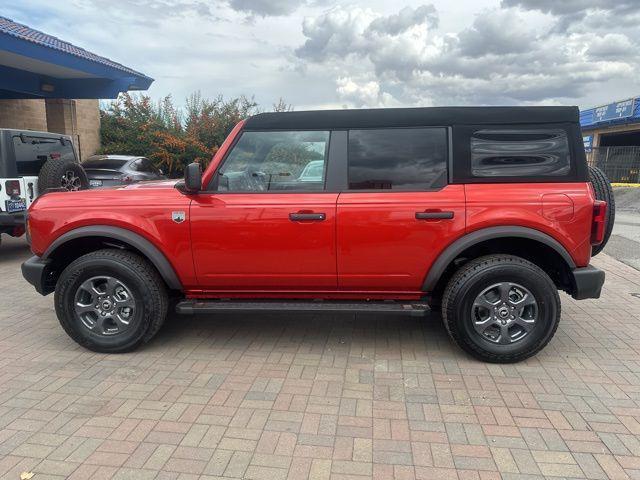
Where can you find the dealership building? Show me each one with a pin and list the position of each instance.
(611, 135)
(47, 84)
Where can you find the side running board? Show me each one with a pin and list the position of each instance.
(190, 307)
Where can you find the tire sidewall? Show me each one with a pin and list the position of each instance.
(603, 191)
(540, 287)
(51, 174)
(82, 270)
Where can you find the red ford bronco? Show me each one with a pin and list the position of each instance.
(484, 211)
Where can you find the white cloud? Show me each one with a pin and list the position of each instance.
(506, 56)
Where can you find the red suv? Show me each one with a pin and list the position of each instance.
(484, 211)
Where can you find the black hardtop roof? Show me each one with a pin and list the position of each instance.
(410, 117)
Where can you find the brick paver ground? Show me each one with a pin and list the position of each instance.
(319, 396)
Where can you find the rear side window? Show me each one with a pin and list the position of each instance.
(143, 165)
(397, 159)
(519, 153)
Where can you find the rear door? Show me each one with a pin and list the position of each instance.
(398, 211)
(263, 225)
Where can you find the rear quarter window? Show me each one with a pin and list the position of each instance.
(397, 159)
(517, 153)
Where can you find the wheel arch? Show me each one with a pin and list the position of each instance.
(528, 243)
(77, 242)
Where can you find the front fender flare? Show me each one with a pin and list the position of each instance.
(148, 249)
(473, 238)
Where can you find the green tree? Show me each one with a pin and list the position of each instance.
(171, 138)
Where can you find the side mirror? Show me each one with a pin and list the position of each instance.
(193, 178)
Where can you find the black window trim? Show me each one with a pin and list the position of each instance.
(448, 162)
(214, 182)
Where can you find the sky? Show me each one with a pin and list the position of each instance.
(354, 54)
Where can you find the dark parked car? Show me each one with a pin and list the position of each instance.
(110, 170)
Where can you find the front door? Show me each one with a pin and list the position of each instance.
(267, 223)
(398, 212)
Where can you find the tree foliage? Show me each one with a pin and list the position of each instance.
(170, 136)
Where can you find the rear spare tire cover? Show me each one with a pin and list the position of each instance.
(603, 191)
(62, 173)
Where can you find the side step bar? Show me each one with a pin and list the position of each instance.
(190, 307)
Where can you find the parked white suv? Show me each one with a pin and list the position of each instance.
(31, 163)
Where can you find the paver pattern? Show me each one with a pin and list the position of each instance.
(278, 396)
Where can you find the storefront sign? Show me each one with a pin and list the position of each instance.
(613, 111)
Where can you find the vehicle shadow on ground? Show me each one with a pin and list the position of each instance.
(306, 332)
(13, 249)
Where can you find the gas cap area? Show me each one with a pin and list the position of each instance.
(557, 206)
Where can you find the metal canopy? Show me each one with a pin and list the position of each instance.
(36, 65)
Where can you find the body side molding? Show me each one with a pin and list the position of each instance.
(478, 236)
(148, 249)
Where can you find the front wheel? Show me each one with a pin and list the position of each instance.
(110, 301)
(501, 308)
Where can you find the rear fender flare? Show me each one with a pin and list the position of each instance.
(473, 238)
(148, 249)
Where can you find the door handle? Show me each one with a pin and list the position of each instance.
(307, 217)
(434, 215)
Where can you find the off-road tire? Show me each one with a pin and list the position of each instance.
(147, 288)
(471, 279)
(603, 191)
(52, 173)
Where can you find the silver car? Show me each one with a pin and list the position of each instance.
(112, 170)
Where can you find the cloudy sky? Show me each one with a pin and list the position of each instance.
(333, 54)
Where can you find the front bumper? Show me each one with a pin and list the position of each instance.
(37, 272)
(587, 282)
(12, 219)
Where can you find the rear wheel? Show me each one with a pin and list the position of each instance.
(110, 301)
(501, 308)
(603, 191)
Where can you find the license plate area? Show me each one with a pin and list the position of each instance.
(12, 206)
(95, 183)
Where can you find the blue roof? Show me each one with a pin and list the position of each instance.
(23, 32)
(34, 64)
(615, 113)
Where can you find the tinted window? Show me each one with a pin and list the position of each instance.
(32, 154)
(398, 158)
(106, 163)
(144, 165)
(509, 153)
(266, 161)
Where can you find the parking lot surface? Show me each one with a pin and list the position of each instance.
(283, 396)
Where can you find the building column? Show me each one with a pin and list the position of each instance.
(78, 118)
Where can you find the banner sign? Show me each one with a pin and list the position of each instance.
(613, 111)
(588, 142)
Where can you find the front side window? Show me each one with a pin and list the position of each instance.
(518, 153)
(397, 159)
(276, 161)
